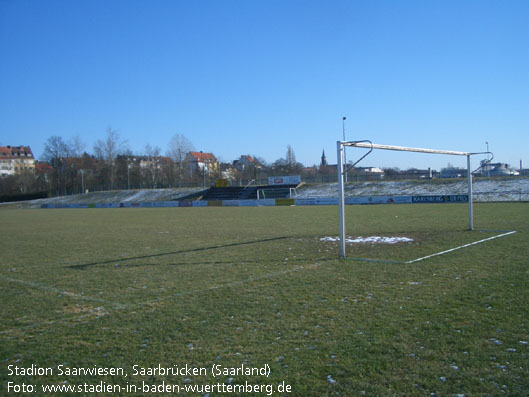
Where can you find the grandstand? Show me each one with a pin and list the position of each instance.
(248, 192)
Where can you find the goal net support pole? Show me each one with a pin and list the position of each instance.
(368, 145)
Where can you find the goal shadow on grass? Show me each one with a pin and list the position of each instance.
(401, 260)
(83, 266)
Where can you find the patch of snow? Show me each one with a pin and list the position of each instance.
(369, 240)
(115, 196)
(330, 239)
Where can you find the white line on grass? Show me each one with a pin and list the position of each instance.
(62, 292)
(121, 306)
(461, 246)
(232, 284)
(116, 305)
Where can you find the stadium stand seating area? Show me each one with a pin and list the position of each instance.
(246, 193)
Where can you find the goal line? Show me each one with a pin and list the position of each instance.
(461, 246)
(503, 234)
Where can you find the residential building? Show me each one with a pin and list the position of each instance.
(43, 167)
(244, 162)
(453, 172)
(228, 171)
(15, 160)
(200, 162)
(415, 173)
(370, 170)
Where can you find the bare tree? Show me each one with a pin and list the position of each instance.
(108, 149)
(76, 146)
(290, 157)
(54, 148)
(55, 152)
(153, 164)
(289, 163)
(179, 146)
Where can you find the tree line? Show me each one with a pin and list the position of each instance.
(66, 167)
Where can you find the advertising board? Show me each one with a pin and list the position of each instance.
(284, 180)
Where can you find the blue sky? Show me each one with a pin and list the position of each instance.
(238, 77)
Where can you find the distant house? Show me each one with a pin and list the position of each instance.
(144, 162)
(415, 173)
(227, 171)
(153, 161)
(453, 172)
(200, 162)
(370, 170)
(244, 162)
(42, 167)
(15, 160)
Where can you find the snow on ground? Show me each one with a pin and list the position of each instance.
(493, 189)
(114, 196)
(370, 240)
(512, 189)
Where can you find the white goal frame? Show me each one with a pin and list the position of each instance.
(261, 195)
(368, 145)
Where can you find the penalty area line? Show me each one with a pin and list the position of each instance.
(460, 247)
(62, 292)
(231, 284)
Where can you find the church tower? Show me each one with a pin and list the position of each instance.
(323, 159)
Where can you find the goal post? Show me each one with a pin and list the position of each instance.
(341, 167)
(287, 192)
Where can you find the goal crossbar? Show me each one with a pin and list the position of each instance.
(368, 145)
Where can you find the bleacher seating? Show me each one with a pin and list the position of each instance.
(245, 193)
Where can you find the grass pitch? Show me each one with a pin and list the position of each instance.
(230, 286)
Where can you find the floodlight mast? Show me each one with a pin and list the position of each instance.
(368, 145)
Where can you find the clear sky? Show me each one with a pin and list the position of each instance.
(248, 76)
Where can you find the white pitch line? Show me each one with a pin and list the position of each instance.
(62, 292)
(47, 288)
(461, 246)
(231, 284)
(120, 306)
